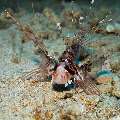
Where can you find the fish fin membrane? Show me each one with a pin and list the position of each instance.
(88, 86)
(36, 74)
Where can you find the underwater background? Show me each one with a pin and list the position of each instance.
(56, 22)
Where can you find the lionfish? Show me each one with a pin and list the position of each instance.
(66, 72)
